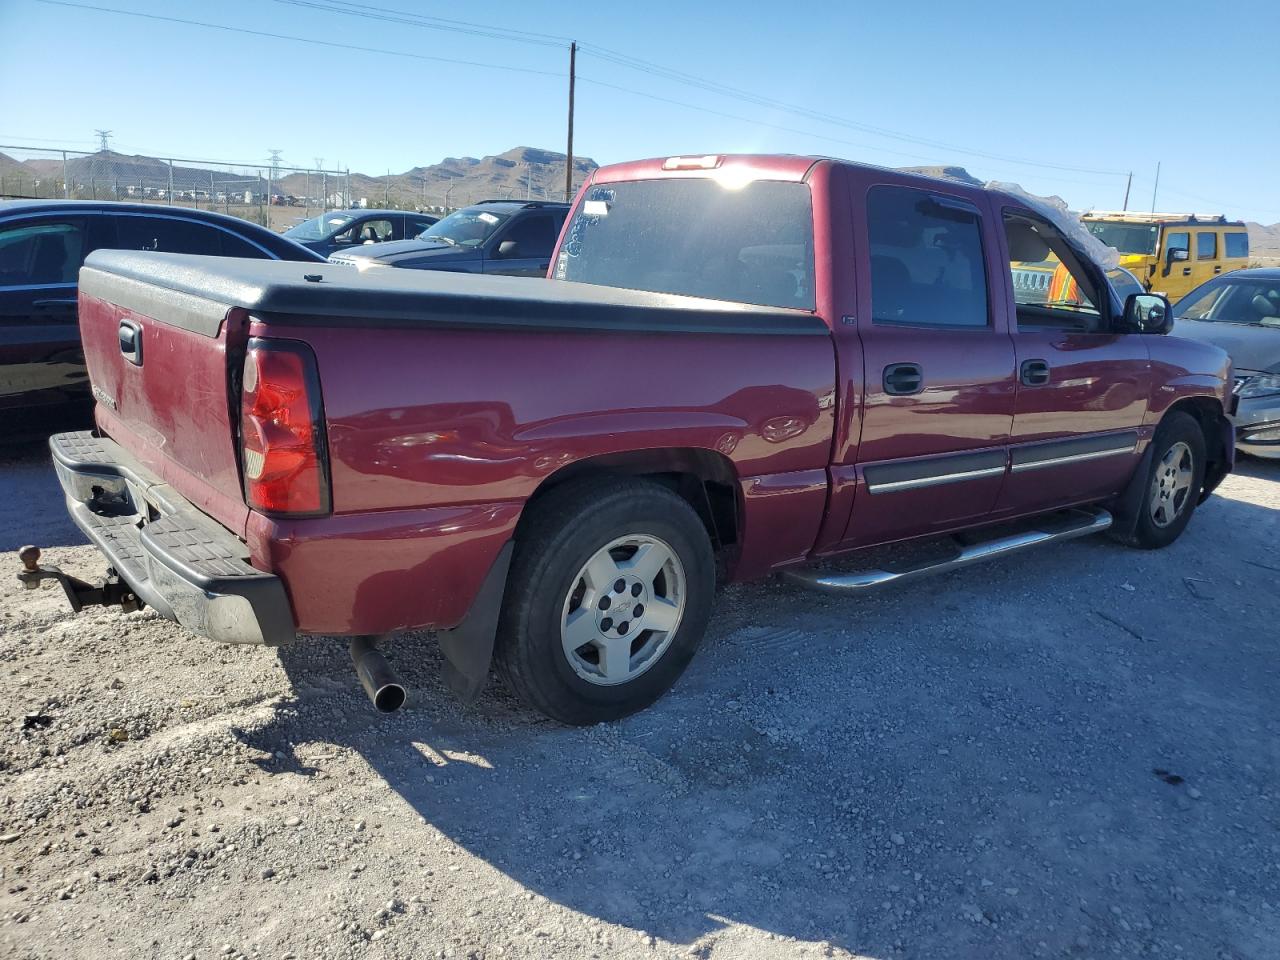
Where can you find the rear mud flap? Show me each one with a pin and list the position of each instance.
(468, 647)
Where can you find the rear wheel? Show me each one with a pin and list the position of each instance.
(609, 595)
(1174, 484)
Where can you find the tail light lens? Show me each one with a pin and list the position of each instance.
(282, 437)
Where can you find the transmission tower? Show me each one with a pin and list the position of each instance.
(275, 163)
(104, 137)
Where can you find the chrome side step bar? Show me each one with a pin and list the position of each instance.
(1080, 523)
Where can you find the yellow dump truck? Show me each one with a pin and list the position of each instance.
(1172, 253)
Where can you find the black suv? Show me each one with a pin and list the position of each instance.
(513, 237)
(42, 245)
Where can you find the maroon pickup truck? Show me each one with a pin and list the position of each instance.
(740, 365)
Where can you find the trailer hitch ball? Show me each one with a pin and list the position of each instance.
(30, 575)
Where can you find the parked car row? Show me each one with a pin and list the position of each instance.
(511, 237)
(739, 365)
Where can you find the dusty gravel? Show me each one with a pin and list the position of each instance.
(1071, 755)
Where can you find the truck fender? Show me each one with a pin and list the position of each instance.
(468, 647)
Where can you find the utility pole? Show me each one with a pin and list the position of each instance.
(1126, 191)
(103, 137)
(1155, 188)
(568, 166)
(528, 181)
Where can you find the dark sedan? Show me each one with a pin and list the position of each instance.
(1240, 312)
(513, 237)
(338, 230)
(42, 245)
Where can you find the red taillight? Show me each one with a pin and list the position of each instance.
(283, 446)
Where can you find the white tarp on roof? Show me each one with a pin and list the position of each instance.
(1054, 209)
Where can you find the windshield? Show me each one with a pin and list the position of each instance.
(1127, 237)
(1255, 302)
(465, 228)
(697, 237)
(318, 228)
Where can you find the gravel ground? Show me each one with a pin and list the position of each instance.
(1073, 754)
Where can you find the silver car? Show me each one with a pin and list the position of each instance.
(1240, 312)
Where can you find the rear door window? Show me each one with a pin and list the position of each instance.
(167, 234)
(536, 235)
(41, 253)
(927, 263)
(747, 243)
(1237, 244)
(1206, 246)
(233, 246)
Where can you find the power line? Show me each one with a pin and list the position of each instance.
(388, 15)
(785, 129)
(285, 36)
(372, 12)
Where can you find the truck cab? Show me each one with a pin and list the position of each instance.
(1172, 253)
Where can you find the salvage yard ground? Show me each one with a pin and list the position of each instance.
(1074, 754)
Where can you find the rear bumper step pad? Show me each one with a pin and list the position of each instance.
(180, 562)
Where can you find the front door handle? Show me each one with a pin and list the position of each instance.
(903, 379)
(1034, 373)
(1186, 271)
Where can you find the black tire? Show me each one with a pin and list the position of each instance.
(563, 531)
(1176, 428)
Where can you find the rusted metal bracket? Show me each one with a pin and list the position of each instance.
(111, 592)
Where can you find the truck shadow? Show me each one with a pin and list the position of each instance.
(1004, 757)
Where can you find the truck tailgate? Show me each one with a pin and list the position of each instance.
(161, 363)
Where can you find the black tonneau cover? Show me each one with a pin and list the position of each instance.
(196, 293)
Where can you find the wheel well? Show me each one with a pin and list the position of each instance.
(1207, 413)
(704, 478)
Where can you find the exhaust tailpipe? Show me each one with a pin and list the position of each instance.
(379, 680)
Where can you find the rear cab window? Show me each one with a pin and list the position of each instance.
(751, 243)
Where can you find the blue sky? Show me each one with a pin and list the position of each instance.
(1063, 98)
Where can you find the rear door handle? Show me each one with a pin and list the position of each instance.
(1034, 373)
(131, 341)
(903, 379)
(1218, 268)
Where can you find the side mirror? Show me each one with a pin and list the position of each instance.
(1147, 313)
(508, 249)
(1174, 255)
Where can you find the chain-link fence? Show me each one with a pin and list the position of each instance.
(272, 194)
(276, 195)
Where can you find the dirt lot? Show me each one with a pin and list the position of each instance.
(1074, 755)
